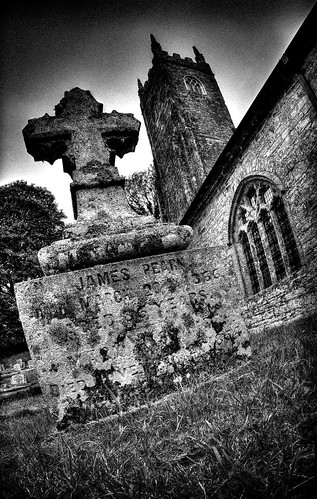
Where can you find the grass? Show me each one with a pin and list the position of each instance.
(250, 433)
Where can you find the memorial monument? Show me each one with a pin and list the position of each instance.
(123, 310)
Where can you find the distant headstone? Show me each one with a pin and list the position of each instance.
(18, 379)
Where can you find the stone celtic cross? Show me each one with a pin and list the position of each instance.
(85, 138)
(107, 229)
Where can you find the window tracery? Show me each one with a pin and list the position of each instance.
(263, 236)
(260, 253)
(194, 85)
(249, 261)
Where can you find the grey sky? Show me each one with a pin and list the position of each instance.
(104, 46)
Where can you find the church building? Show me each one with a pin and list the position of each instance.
(251, 190)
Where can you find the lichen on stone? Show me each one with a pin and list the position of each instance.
(63, 332)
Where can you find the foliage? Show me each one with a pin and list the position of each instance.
(245, 434)
(29, 220)
(141, 193)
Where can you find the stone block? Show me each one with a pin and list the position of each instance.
(18, 379)
(110, 337)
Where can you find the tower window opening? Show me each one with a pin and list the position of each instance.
(194, 85)
(263, 237)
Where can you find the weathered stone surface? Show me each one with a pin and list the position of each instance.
(82, 135)
(112, 336)
(70, 255)
(84, 229)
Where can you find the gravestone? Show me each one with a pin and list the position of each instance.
(18, 379)
(123, 311)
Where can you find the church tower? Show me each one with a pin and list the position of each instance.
(188, 125)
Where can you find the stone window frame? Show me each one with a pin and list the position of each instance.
(193, 84)
(265, 248)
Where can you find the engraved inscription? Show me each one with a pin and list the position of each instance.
(159, 266)
(104, 278)
(123, 325)
(158, 292)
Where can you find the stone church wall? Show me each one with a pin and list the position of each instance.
(284, 151)
(310, 69)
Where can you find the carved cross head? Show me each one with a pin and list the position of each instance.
(85, 138)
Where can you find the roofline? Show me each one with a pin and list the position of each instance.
(280, 78)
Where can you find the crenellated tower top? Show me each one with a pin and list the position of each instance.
(162, 56)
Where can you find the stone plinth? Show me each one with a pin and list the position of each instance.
(109, 337)
(71, 254)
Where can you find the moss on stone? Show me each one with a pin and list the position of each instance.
(63, 332)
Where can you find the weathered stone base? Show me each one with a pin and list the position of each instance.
(108, 337)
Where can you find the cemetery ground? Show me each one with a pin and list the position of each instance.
(246, 430)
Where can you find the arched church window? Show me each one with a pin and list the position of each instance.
(262, 235)
(194, 85)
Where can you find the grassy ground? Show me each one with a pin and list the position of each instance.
(250, 433)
